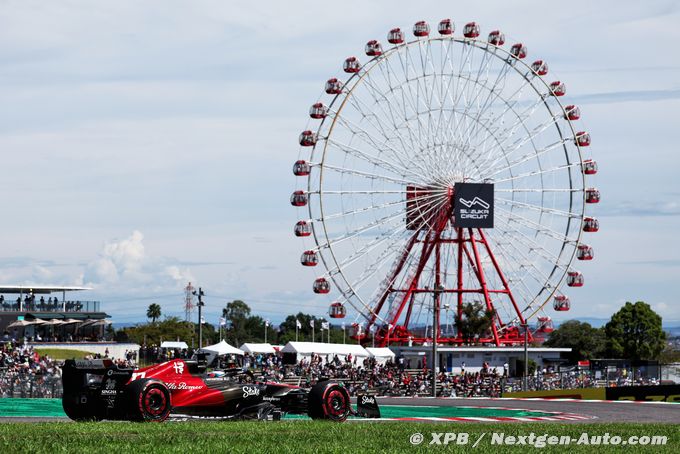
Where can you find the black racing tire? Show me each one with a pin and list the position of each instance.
(79, 411)
(149, 400)
(330, 401)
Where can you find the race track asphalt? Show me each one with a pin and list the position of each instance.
(603, 411)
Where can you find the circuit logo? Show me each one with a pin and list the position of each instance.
(475, 201)
(473, 205)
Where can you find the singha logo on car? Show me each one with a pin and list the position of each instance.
(249, 391)
(109, 387)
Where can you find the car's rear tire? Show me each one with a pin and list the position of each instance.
(149, 400)
(327, 400)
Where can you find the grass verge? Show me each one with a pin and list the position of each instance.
(62, 353)
(305, 436)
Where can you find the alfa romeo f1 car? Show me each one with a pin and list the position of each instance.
(99, 389)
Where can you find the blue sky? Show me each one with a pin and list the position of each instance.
(146, 144)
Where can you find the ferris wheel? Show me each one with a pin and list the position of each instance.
(388, 149)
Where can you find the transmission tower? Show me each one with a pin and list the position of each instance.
(188, 302)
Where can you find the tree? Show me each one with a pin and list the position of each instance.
(585, 341)
(153, 312)
(635, 333)
(236, 313)
(475, 321)
(172, 328)
(287, 329)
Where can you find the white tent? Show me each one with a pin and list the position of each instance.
(171, 344)
(307, 349)
(257, 348)
(221, 348)
(381, 355)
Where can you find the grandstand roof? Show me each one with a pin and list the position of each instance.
(39, 289)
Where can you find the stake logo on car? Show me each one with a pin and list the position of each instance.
(250, 391)
(367, 400)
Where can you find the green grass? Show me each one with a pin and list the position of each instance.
(299, 437)
(62, 353)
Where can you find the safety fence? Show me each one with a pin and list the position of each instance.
(30, 386)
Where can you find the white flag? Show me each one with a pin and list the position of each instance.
(266, 323)
(343, 326)
(311, 323)
(325, 325)
(202, 320)
(297, 323)
(223, 321)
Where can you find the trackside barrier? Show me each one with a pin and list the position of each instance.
(660, 393)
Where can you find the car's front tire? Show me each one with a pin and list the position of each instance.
(328, 400)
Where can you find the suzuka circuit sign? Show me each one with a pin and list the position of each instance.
(473, 205)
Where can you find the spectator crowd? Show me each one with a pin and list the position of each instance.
(25, 373)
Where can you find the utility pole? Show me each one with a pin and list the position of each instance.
(200, 305)
(526, 356)
(435, 312)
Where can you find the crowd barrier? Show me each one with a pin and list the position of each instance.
(661, 393)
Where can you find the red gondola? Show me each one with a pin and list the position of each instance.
(337, 310)
(582, 139)
(591, 225)
(496, 38)
(302, 228)
(309, 258)
(421, 28)
(539, 67)
(545, 325)
(575, 279)
(589, 167)
(301, 168)
(351, 65)
(518, 50)
(333, 86)
(561, 303)
(446, 27)
(321, 285)
(584, 252)
(592, 195)
(298, 199)
(307, 139)
(373, 48)
(471, 30)
(573, 112)
(558, 88)
(318, 111)
(395, 36)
